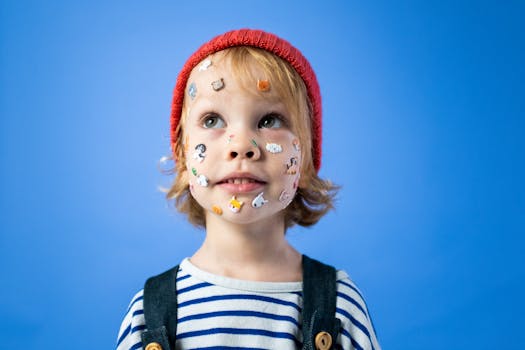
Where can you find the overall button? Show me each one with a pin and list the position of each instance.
(323, 341)
(153, 346)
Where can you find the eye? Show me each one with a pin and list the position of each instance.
(271, 121)
(212, 121)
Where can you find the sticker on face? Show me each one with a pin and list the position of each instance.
(194, 171)
(199, 155)
(263, 85)
(259, 201)
(254, 143)
(192, 90)
(217, 84)
(284, 196)
(205, 65)
(235, 205)
(296, 145)
(217, 210)
(291, 167)
(274, 148)
(202, 180)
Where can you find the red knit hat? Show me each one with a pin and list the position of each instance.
(265, 41)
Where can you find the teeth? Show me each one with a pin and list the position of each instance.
(240, 181)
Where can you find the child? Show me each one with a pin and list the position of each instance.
(246, 138)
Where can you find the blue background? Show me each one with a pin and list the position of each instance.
(423, 127)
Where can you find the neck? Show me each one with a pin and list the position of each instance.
(256, 251)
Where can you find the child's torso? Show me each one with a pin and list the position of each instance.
(219, 312)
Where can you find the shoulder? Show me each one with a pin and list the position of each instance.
(133, 324)
(356, 324)
(349, 297)
(136, 301)
(348, 290)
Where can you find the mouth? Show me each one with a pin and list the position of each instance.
(238, 183)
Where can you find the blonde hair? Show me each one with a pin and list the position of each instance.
(314, 196)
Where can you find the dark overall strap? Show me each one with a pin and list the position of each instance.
(160, 309)
(319, 301)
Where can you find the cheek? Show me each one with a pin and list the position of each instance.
(197, 151)
(197, 163)
(289, 187)
(288, 168)
(292, 172)
(292, 158)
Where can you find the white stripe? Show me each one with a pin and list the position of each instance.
(224, 286)
(132, 322)
(237, 341)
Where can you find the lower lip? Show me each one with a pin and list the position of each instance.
(242, 188)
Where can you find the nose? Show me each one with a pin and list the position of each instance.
(243, 148)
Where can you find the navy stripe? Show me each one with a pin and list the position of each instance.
(193, 287)
(355, 344)
(364, 301)
(240, 313)
(138, 312)
(124, 335)
(352, 288)
(182, 278)
(345, 333)
(357, 324)
(226, 348)
(248, 331)
(353, 301)
(138, 328)
(136, 346)
(239, 297)
(133, 303)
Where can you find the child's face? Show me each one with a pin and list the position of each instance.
(242, 157)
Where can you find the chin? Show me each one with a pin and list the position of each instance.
(249, 216)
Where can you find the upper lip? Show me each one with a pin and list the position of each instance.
(240, 175)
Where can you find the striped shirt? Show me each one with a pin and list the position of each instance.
(216, 312)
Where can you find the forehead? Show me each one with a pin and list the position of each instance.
(241, 67)
(218, 72)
